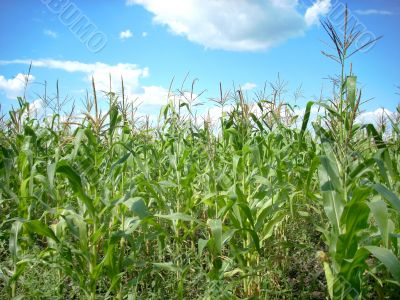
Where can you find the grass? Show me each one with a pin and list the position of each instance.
(250, 207)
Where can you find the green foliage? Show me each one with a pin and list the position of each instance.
(107, 209)
(184, 211)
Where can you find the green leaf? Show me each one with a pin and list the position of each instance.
(362, 168)
(201, 244)
(257, 122)
(216, 233)
(270, 224)
(387, 258)
(113, 117)
(36, 226)
(120, 161)
(237, 165)
(51, 170)
(351, 90)
(380, 212)
(312, 169)
(330, 109)
(77, 142)
(332, 172)
(330, 279)
(78, 227)
(332, 200)
(168, 266)
(354, 219)
(245, 208)
(177, 217)
(376, 136)
(388, 195)
(306, 118)
(138, 207)
(75, 180)
(255, 238)
(13, 242)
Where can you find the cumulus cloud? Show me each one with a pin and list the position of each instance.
(101, 72)
(367, 117)
(35, 107)
(14, 87)
(248, 86)
(318, 9)
(50, 33)
(315, 110)
(229, 25)
(148, 96)
(151, 95)
(375, 116)
(234, 25)
(214, 113)
(368, 12)
(125, 34)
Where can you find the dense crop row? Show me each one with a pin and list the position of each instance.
(255, 208)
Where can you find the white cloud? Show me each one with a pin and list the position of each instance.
(14, 87)
(151, 95)
(368, 12)
(373, 117)
(125, 34)
(101, 72)
(35, 107)
(144, 34)
(248, 86)
(50, 33)
(366, 117)
(229, 25)
(318, 9)
(234, 25)
(315, 110)
(148, 96)
(214, 113)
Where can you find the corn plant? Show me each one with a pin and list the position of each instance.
(348, 184)
(116, 207)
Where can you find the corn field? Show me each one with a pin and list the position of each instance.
(260, 204)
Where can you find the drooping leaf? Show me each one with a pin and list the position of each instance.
(380, 212)
(388, 195)
(351, 90)
(138, 207)
(201, 244)
(168, 266)
(36, 226)
(75, 180)
(388, 259)
(216, 233)
(178, 217)
(306, 117)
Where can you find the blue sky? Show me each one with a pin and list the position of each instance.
(149, 42)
